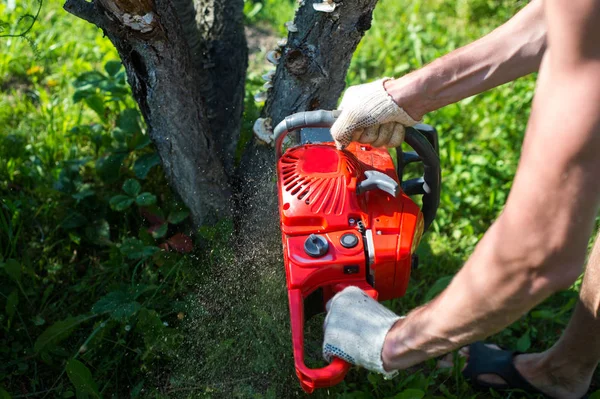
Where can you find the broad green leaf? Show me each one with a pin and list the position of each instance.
(410, 394)
(524, 342)
(98, 232)
(96, 103)
(543, 314)
(132, 187)
(11, 303)
(82, 94)
(4, 394)
(119, 304)
(121, 202)
(56, 333)
(138, 141)
(374, 379)
(141, 289)
(120, 135)
(160, 231)
(81, 378)
(255, 10)
(76, 238)
(143, 164)
(128, 121)
(13, 269)
(137, 389)
(145, 199)
(86, 192)
(112, 67)
(595, 395)
(157, 336)
(92, 78)
(135, 249)
(108, 166)
(177, 217)
(437, 287)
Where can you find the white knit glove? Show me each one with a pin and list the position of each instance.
(370, 116)
(355, 328)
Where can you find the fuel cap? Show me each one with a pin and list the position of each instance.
(349, 240)
(316, 245)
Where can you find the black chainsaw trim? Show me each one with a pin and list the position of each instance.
(422, 139)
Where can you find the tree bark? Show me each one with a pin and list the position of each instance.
(312, 69)
(160, 69)
(214, 30)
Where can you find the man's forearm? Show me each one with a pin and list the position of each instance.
(513, 50)
(538, 244)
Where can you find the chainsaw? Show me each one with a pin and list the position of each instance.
(347, 219)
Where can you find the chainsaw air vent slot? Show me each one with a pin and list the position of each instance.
(303, 194)
(322, 188)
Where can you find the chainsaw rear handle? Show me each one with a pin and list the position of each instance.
(334, 372)
(428, 185)
(310, 379)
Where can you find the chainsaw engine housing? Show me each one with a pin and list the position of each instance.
(367, 236)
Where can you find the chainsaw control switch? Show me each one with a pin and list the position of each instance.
(349, 240)
(375, 179)
(316, 245)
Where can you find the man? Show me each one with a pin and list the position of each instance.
(537, 246)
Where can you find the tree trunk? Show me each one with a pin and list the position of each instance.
(310, 75)
(312, 68)
(171, 90)
(214, 30)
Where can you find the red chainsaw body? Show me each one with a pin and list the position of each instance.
(317, 187)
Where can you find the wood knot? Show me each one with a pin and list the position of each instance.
(296, 62)
(364, 21)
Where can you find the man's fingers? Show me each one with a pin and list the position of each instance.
(357, 133)
(369, 135)
(385, 133)
(340, 131)
(397, 137)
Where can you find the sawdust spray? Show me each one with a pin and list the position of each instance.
(237, 340)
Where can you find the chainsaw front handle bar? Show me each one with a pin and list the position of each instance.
(422, 138)
(300, 120)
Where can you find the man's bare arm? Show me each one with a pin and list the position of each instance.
(538, 245)
(513, 50)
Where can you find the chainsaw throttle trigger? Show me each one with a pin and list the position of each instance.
(375, 179)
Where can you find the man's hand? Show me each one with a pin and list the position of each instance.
(355, 329)
(370, 115)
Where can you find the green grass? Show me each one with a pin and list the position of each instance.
(91, 308)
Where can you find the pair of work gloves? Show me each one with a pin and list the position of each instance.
(356, 325)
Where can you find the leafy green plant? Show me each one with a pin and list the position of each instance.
(94, 246)
(98, 296)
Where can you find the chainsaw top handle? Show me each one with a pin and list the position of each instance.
(422, 138)
(320, 118)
